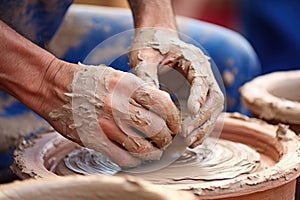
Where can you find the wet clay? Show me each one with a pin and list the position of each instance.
(82, 104)
(277, 169)
(275, 97)
(192, 64)
(88, 161)
(101, 99)
(190, 60)
(90, 187)
(213, 160)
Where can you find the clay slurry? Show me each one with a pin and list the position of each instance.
(222, 160)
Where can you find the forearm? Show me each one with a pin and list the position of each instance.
(153, 13)
(26, 70)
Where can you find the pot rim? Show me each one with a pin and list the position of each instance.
(256, 96)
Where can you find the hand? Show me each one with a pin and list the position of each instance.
(93, 106)
(155, 52)
(104, 108)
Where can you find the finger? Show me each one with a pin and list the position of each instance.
(159, 102)
(131, 89)
(212, 109)
(198, 135)
(198, 80)
(198, 93)
(150, 125)
(121, 157)
(148, 73)
(176, 61)
(137, 146)
(145, 65)
(113, 151)
(191, 122)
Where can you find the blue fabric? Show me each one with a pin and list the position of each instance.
(35, 19)
(229, 50)
(12, 109)
(272, 27)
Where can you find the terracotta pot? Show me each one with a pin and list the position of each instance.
(89, 187)
(275, 178)
(275, 98)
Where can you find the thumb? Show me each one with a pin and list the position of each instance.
(147, 72)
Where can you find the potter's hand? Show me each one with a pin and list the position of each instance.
(91, 106)
(112, 111)
(155, 52)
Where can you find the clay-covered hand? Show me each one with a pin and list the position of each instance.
(93, 106)
(156, 54)
(114, 112)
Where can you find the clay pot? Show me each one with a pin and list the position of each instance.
(275, 178)
(275, 98)
(89, 187)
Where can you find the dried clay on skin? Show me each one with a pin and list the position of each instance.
(92, 88)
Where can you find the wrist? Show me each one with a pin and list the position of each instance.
(31, 74)
(152, 37)
(145, 14)
(56, 81)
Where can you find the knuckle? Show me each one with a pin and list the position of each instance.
(162, 142)
(142, 149)
(165, 95)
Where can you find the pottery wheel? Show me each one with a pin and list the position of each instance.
(250, 156)
(221, 159)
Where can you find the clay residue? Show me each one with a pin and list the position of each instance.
(39, 156)
(220, 159)
(80, 115)
(281, 132)
(98, 95)
(212, 161)
(87, 161)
